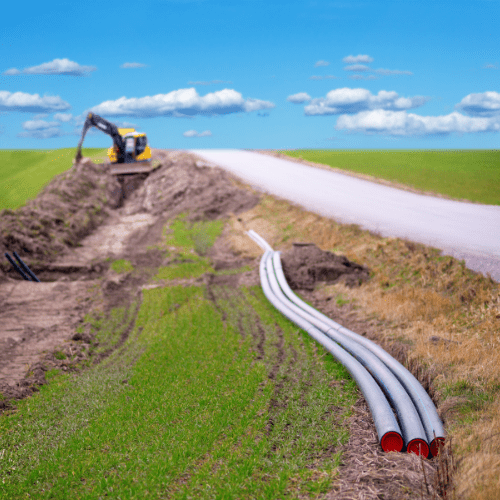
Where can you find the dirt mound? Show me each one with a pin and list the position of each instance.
(305, 265)
(185, 184)
(65, 211)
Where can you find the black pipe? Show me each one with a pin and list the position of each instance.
(26, 268)
(16, 267)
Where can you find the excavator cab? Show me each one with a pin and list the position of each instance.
(136, 147)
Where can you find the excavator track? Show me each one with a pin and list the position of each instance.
(144, 167)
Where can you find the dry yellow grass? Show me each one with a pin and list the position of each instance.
(448, 316)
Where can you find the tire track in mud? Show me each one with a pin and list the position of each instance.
(293, 373)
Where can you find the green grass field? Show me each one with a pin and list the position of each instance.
(463, 174)
(23, 173)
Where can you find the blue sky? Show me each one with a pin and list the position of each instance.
(253, 73)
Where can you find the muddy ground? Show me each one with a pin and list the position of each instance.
(84, 219)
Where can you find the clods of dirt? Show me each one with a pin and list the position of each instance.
(305, 265)
(186, 185)
(65, 211)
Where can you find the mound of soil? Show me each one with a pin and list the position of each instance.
(64, 212)
(185, 184)
(305, 265)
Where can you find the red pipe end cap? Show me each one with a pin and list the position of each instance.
(419, 447)
(436, 444)
(391, 441)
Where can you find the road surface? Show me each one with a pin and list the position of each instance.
(466, 231)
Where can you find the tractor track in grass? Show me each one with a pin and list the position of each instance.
(81, 280)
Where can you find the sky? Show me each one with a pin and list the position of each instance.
(256, 74)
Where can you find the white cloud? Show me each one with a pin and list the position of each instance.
(63, 117)
(490, 66)
(212, 82)
(357, 59)
(12, 71)
(40, 129)
(30, 103)
(357, 67)
(194, 133)
(401, 123)
(299, 98)
(182, 103)
(484, 104)
(325, 77)
(321, 63)
(47, 133)
(55, 67)
(125, 125)
(350, 101)
(133, 65)
(382, 71)
(39, 125)
(363, 77)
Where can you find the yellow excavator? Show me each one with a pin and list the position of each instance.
(130, 153)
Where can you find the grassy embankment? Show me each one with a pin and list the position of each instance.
(23, 173)
(444, 316)
(213, 395)
(463, 174)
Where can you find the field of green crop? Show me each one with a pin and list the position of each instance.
(213, 395)
(23, 173)
(461, 174)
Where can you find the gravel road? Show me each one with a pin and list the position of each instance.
(466, 231)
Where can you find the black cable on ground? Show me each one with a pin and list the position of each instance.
(26, 268)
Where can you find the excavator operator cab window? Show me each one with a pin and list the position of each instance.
(130, 145)
(141, 145)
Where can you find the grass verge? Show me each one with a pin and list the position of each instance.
(461, 174)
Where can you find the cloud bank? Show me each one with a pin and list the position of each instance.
(31, 103)
(299, 98)
(182, 103)
(321, 63)
(194, 133)
(55, 67)
(357, 59)
(484, 104)
(401, 123)
(41, 129)
(351, 101)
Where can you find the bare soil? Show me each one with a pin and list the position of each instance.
(304, 265)
(85, 218)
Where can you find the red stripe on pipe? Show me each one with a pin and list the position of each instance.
(419, 447)
(391, 441)
(436, 444)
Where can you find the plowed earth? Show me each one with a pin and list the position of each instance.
(84, 219)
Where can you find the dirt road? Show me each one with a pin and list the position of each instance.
(463, 230)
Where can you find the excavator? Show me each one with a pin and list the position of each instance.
(130, 153)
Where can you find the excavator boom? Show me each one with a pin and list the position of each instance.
(108, 128)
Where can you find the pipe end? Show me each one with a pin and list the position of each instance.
(391, 441)
(436, 445)
(419, 447)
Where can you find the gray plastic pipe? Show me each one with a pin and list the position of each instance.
(429, 417)
(409, 420)
(387, 427)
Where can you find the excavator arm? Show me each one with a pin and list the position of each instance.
(106, 127)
